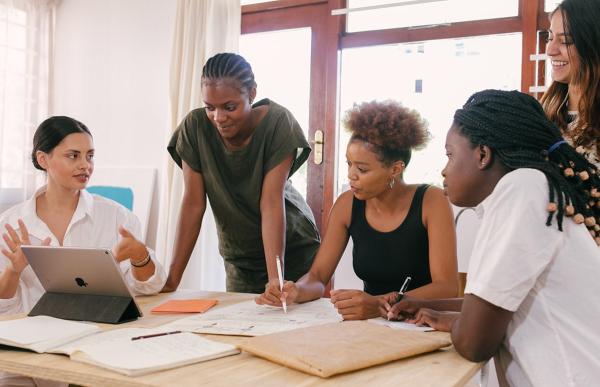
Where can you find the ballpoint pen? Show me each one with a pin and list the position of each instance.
(402, 289)
(155, 335)
(280, 275)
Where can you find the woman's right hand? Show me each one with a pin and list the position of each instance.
(406, 308)
(17, 262)
(273, 296)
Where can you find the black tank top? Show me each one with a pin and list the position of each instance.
(384, 259)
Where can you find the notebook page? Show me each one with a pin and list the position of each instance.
(137, 357)
(41, 333)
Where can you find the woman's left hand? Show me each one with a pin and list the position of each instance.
(441, 321)
(129, 248)
(356, 304)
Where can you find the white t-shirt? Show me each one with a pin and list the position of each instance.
(95, 223)
(549, 279)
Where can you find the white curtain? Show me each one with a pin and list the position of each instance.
(203, 28)
(26, 38)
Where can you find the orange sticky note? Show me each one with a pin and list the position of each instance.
(184, 306)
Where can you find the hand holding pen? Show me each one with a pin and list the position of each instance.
(403, 289)
(387, 307)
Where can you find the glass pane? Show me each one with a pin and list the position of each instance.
(284, 77)
(412, 74)
(550, 5)
(436, 12)
(247, 2)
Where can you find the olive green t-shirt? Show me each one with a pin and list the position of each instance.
(233, 181)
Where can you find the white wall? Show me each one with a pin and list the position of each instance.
(112, 60)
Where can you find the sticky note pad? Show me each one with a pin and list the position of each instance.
(184, 306)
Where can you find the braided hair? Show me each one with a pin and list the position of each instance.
(228, 65)
(514, 125)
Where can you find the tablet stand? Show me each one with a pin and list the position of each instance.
(86, 307)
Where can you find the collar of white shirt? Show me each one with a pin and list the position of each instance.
(36, 227)
(480, 208)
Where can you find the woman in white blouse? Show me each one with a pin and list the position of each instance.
(63, 213)
(532, 283)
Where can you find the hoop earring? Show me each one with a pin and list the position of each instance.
(392, 182)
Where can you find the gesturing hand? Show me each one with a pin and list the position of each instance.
(128, 247)
(16, 257)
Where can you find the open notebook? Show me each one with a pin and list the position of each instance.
(113, 349)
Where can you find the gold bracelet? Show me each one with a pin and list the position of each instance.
(141, 263)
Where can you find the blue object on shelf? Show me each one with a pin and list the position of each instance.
(121, 195)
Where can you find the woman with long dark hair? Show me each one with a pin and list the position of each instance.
(572, 101)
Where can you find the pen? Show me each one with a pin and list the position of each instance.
(403, 289)
(280, 275)
(155, 335)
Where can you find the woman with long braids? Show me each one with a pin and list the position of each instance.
(573, 100)
(532, 281)
(240, 155)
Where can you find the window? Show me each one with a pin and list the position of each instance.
(272, 73)
(429, 13)
(492, 61)
(24, 45)
(13, 102)
(550, 5)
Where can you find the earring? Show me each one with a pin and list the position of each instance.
(392, 182)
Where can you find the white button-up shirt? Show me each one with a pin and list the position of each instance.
(548, 278)
(95, 223)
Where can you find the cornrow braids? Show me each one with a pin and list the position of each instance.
(228, 65)
(514, 125)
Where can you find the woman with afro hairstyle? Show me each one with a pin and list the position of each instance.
(573, 99)
(533, 276)
(398, 230)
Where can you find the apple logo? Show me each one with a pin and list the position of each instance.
(81, 282)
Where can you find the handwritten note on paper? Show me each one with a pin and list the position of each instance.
(400, 325)
(249, 319)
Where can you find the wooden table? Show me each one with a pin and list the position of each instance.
(441, 368)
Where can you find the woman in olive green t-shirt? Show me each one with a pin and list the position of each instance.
(240, 156)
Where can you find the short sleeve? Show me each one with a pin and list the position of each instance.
(514, 246)
(183, 145)
(286, 138)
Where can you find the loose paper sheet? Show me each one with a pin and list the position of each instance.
(249, 319)
(400, 325)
